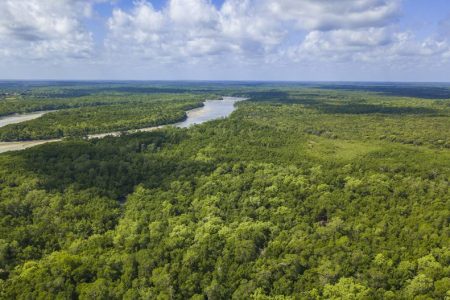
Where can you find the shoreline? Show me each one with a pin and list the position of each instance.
(196, 113)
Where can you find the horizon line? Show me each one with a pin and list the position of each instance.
(220, 80)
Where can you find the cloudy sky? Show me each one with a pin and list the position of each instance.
(306, 40)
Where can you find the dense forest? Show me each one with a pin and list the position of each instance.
(304, 192)
(114, 114)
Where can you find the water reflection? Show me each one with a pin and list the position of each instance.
(212, 110)
(19, 118)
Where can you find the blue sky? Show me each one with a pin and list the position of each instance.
(304, 40)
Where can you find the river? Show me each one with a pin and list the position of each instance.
(19, 118)
(212, 110)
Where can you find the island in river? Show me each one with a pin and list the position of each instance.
(211, 110)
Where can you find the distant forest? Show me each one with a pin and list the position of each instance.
(307, 191)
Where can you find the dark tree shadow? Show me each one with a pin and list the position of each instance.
(112, 166)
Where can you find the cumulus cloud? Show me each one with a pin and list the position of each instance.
(251, 30)
(43, 29)
(238, 32)
(364, 33)
(331, 15)
(192, 28)
(371, 45)
(166, 34)
(344, 41)
(192, 12)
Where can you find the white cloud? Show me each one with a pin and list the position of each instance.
(344, 41)
(331, 15)
(249, 26)
(380, 46)
(365, 33)
(165, 35)
(409, 46)
(249, 29)
(192, 12)
(44, 29)
(186, 29)
(142, 25)
(239, 33)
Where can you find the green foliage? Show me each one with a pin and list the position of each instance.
(291, 197)
(120, 115)
(346, 289)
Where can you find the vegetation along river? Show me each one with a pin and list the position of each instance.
(212, 109)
